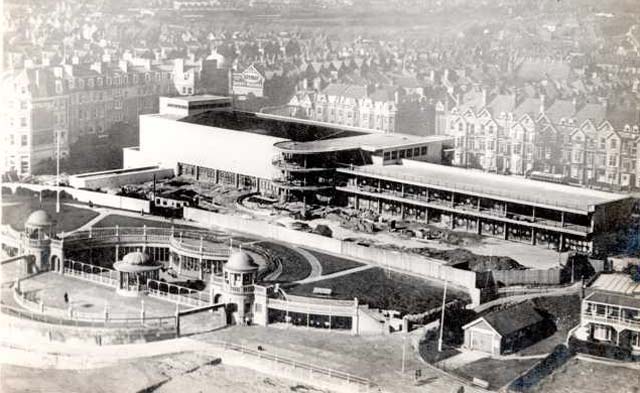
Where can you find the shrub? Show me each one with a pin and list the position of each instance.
(560, 355)
(323, 230)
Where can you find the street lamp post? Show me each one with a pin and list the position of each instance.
(58, 172)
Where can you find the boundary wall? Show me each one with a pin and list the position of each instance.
(97, 198)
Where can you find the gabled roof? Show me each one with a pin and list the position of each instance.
(591, 111)
(560, 109)
(344, 90)
(511, 320)
(529, 106)
(502, 103)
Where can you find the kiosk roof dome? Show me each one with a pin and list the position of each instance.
(39, 218)
(240, 261)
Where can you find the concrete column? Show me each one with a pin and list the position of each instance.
(453, 199)
(357, 203)
(561, 242)
(402, 190)
(562, 219)
(533, 236)
(179, 264)
(380, 206)
(426, 215)
(216, 176)
(402, 211)
(506, 231)
(237, 180)
(533, 214)
(479, 226)
(197, 172)
(201, 273)
(117, 258)
(452, 221)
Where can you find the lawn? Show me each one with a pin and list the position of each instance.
(580, 376)
(382, 289)
(333, 264)
(497, 372)
(70, 217)
(564, 311)
(125, 221)
(294, 265)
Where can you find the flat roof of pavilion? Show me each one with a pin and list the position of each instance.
(278, 127)
(369, 142)
(198, 98)
(490, 185)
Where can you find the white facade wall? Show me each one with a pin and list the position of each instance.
(166, 142)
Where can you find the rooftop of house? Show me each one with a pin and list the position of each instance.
(512, 319)
(621, 284)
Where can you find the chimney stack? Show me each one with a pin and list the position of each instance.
(484, 97)
(542, 103)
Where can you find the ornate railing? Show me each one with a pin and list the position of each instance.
(178, 294)
(86, 271)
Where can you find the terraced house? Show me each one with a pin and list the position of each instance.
(73, 100)
(566, 141)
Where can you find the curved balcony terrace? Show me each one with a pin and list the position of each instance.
(295, 167)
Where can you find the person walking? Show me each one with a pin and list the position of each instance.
(66, 298)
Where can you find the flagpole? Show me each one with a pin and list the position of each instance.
(444, 300)
(58, 172)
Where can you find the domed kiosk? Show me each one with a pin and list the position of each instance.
(239, 273)
(36, 240)
(134, 272)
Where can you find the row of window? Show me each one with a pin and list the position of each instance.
(405, 153)
(117, 80)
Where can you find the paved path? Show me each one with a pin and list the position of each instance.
(337, 274)
(462, 359)
(91, 223)
(316, 267)
(575, 288)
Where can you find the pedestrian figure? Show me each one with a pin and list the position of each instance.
(66, 298)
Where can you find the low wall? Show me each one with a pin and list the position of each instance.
(413, 264)
(118, 177)
(31, 330)
(97, 198)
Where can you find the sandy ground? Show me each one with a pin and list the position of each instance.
(184, 373)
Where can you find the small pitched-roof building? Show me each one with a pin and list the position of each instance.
(504, 331)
